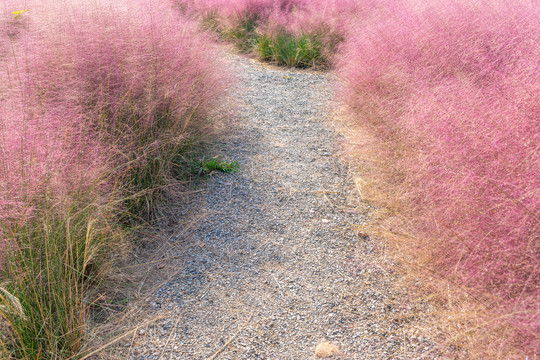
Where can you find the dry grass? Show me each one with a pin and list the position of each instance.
(123, 308)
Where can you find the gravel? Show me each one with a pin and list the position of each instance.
(275, 264)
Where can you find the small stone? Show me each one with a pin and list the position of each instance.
(326, 349)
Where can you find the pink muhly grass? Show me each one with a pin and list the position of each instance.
(324, 22)
(258, 8)
(317, 9)
(44, 147)
(139, 83)
(451, 90)
(89, 90)
(230, 13)
(315, 16)
(79, 74)
(93, 94)
(147, 63)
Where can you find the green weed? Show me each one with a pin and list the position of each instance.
(207, 167)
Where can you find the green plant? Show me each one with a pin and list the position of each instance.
(164, 164)
(309, 51)
(207, 167)
(290, 50)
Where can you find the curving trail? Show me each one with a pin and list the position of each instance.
(274, 264)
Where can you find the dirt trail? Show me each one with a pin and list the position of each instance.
(273, 263)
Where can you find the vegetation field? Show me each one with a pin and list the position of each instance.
(100, 100)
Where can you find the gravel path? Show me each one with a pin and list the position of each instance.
(274, 264)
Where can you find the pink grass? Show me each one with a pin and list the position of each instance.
(452, 90)
(90, 94)
(72, 70)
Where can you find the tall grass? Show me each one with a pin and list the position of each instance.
(147, 82)
(450, 95)
(53, 264)
(99, 101)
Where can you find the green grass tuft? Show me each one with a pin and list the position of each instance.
(207, 167)
(288, 50)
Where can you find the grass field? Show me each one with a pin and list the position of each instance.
(448, 93)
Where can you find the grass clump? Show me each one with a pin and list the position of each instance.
(100, 108)
(50, 272)
(243, 34)
(289, 50)
(292, 33)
